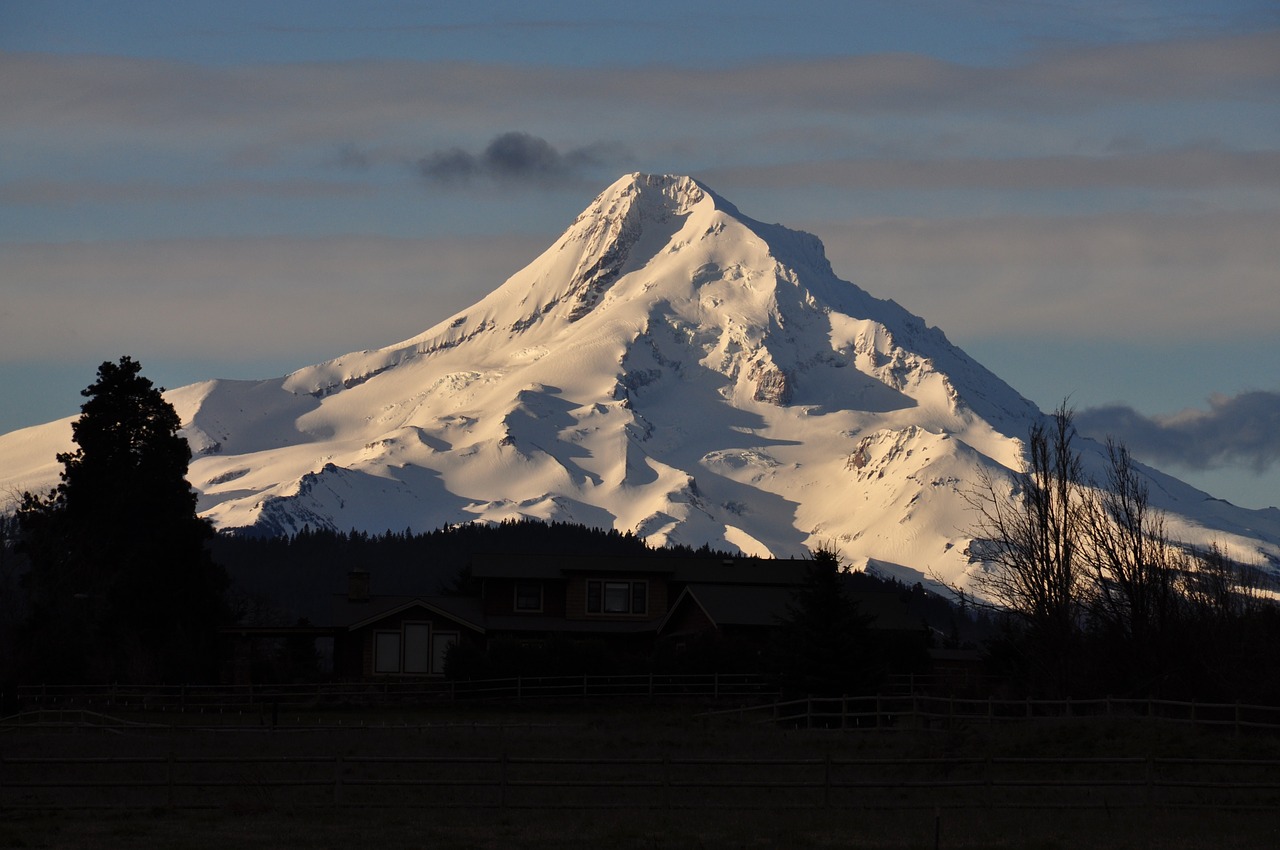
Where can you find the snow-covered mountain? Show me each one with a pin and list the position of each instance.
(669, 366)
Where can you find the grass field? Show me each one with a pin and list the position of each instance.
(248, 814)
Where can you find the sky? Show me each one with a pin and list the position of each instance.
(1085, 196)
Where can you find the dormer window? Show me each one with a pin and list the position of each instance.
(529, 596)
(617, 597)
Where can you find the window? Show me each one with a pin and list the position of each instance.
(386, 652)
(417, 648)
(528, 596)
(414, 650)
(617, 597)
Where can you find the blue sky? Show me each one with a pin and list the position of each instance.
(1083, 195)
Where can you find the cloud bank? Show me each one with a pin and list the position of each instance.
(1240, 430)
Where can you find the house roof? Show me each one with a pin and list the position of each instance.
(887, 610)
(765, 605)
(701, 570)
(559, 566)
(729, 605)
(463, 610)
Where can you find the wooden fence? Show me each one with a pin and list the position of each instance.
(934, 712)
(503, 782)
(214, 698)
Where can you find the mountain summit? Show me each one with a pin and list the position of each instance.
(668, 366)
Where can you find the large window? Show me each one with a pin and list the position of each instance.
(617, 597)
(411, 650)
(528, 596)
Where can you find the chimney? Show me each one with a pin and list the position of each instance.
(358, 586)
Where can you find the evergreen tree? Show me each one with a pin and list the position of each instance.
(824, 643)
(121, 585)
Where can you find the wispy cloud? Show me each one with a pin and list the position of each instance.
(241, 297)
(1193, 168)
(1240, 430)
(42, 192)
(1082, 276)
(345, 100)
(518, 158)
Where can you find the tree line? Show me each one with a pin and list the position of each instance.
(112, 576)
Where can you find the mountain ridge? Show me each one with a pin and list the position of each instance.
(668, 366)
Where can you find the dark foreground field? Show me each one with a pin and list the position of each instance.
(636, 829)
(602, 777)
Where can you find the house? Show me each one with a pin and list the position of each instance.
(633, 605)
(630, 596)
(398, 635)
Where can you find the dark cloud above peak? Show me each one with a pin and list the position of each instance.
(1241, 430)
(516, 157)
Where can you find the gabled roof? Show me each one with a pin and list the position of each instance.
(765, 605)
(733, 605)
(465, 611)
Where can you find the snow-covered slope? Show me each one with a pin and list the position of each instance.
(668, 366)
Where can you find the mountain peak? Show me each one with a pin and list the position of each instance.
(668, 367)
(673, 194)
(634, 203)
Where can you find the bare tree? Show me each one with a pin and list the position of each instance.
(1134, 563)
(1220, 589)
(1030, 542)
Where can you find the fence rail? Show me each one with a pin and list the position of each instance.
(223, 697)
(934, 712)
(501, 782)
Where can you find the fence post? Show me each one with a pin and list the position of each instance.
(991, 710)
(168, 780)
(808, 712)
(716, 684)
(826, 781)
(502, 782)
(1235, 728)
(844, 712)
(337, 781)
(666, 782)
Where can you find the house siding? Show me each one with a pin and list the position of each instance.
(500, 598)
